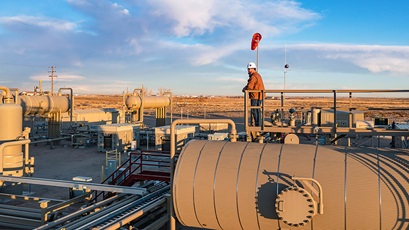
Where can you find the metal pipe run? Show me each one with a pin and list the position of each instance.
(79, 213)
(135, 215)
(157, 224)
(75, 184)
(103, 215)
(50, 140)
(20, 212)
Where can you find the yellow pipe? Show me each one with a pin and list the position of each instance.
(26, 134)
(8, 144)
(9, 97)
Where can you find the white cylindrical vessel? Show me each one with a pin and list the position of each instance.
(245, 185)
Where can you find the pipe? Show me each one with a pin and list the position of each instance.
(29, 213)
(134, 216)
(9, 97)
(71, 101)
(79, 212)
(134, 92)
(233, 138)
(15, 93)
(157, 224)
(50, 140)
(104, 214)
(8, 144)
(26, 134)
(76, 184)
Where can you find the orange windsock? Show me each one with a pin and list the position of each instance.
(256, 39)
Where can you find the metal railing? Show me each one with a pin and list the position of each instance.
(135, 164)
(334, 129)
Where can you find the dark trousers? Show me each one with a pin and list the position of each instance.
(255, 113)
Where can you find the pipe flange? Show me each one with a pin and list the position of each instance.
(295, 206)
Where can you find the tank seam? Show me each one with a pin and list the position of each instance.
(194, 182)
(237, 185)
(258, 169)
(214, 185)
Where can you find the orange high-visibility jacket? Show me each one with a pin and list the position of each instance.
(255, 82)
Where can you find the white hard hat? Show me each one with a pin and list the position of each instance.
(251, 65)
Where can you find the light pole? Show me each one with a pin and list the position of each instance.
(286, 66)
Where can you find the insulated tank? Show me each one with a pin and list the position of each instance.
(10, 130)
(245, 185)
(149, 102)
(44, 104)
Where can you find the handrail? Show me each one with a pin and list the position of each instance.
(332, 90)
(114, 177)
(320, 191)
(129, 169)
(334, 128)
(9, 144)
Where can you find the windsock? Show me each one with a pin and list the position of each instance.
(256, 39)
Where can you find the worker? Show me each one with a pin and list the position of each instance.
(255, 82)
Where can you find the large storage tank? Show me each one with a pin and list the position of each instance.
(10, 130)
(242, 185)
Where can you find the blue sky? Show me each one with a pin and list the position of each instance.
(201, 47)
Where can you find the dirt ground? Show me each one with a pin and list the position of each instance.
(204, 107)
(64, 163)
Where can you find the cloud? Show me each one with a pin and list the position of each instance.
(40, 22)
(383, 63)
(372, 58)
(203, 30)
(120, 8)
(59, 78)
(162, 43)
(205, 16)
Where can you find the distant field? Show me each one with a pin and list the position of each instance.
(234, 106)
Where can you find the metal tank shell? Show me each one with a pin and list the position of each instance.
(242, 185)
(149, 102)
(10, 130)
(44, 104)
